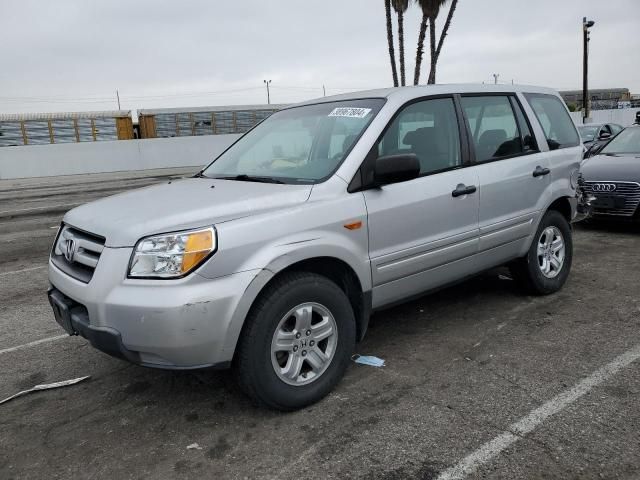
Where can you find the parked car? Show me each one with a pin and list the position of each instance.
(594, 137)
(273, 257)
(613, 177)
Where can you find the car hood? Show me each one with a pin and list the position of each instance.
(125, 218)
(623, 168)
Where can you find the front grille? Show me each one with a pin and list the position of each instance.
(76, 252)
(626, 197)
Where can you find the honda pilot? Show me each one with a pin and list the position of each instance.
(272, 259)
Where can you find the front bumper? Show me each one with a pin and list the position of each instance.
(73, 317)
(173, 324)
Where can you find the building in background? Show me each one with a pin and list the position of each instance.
(601, 99)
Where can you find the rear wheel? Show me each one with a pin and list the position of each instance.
(297, 341)
(546, 266)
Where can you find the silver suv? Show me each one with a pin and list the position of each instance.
(272, 258)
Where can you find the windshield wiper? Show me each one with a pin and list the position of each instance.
(252, 178)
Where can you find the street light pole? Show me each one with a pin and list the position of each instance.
(267, 82)
(586, 25)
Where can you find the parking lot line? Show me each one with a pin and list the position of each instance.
(23, 270)
(33, 344)
(518, 430)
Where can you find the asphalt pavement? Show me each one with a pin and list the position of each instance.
(480, 380)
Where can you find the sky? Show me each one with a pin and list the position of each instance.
(66, 55)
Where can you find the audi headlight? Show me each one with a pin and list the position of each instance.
(172, 255)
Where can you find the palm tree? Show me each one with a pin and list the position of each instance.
(401, 6)
(430, 11)
(435, 53)
(392, 55)
(420, 50)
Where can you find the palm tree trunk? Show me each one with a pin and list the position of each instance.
(447, 24)
(392, 55)
(435, 55)
(401, 46)
(432, 45)
(420, 49)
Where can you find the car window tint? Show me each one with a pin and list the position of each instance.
(429, 129)
(554, 119)
(493, 126)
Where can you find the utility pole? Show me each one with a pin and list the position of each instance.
(324, 91)
(118, 97)
(586, 25)
(495, 78)
(267, 82)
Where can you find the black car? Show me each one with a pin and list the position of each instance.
(613, 177)
(595, 136)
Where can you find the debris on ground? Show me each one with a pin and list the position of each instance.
(368, 360)
(46, 386)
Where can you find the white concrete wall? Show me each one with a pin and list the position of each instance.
(622, 116)
(113, 156)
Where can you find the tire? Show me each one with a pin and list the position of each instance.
(295, 299)
(529, 271)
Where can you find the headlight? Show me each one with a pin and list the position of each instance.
(172, 255)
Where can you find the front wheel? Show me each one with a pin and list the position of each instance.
(546, 266)
(297, 341)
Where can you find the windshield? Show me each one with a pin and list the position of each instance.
(627, 141)
(297, 145)
(587, 133)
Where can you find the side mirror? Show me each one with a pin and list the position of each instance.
(604, 136)
(396, 168)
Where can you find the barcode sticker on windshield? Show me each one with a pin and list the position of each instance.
(350, 112)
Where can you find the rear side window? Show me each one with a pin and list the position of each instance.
(554, 119)
(493, 127)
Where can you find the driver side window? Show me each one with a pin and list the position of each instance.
(428, 129)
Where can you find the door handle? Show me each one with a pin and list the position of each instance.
(462, 189)
(540, 171)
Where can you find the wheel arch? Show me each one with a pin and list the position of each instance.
(564, 206)
(334, 268)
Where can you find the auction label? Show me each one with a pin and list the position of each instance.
(350, 112)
